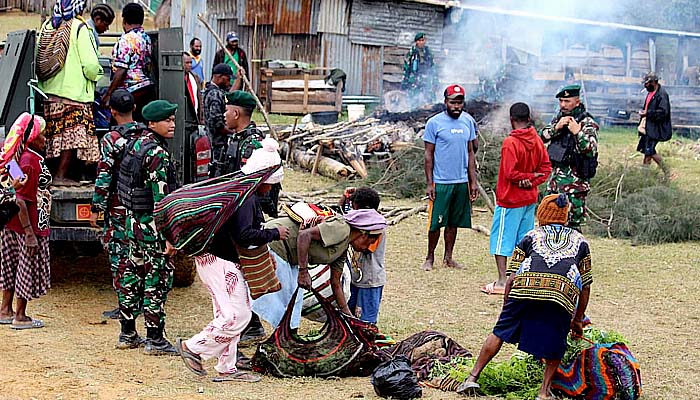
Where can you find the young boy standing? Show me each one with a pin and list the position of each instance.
(367, 268)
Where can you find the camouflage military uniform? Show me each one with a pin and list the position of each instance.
(236, 151)
(148, 275)
(105, 198)
(419, 76)
(564, 178)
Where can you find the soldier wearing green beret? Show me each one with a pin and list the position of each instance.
(573, 151)
(239, 110)
(146, 176)
(245, 137)
(419, 75)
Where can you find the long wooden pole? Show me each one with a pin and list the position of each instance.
(201, 19)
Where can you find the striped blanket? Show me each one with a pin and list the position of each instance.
(321, 282)
(601, 372)
(190, 216)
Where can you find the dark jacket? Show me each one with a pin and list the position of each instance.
(220, 57)
(245, 228)
(193, 115)
(659, 116)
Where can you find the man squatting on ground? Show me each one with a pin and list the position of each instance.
(573, 149)
(450, 172)
(524, 166)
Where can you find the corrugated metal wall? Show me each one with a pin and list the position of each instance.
(248, 10)
(221, 9)
(390, 23)
(317, 32)
(334, 16)
(297, 16)
(191, 28)
(361, 63)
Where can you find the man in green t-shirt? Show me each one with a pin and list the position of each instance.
(238, 55)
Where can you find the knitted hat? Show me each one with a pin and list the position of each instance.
(554, 209)
(265, 157)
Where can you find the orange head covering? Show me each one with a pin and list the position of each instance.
(554, 209)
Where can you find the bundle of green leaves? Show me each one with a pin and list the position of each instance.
(519, 377)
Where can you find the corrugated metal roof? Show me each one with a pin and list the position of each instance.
(334, 16)
(297, 16)
(391, 23)
(248, 10)
(362, 64)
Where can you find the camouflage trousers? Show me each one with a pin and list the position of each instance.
(144, 282)
(116, 244)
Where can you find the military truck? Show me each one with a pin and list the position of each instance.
(70, 208)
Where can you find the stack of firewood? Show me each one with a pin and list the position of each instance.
(339, 151)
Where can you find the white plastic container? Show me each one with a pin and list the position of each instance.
(355, 111)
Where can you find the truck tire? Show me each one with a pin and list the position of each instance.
(185, 271)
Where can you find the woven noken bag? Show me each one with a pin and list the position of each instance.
(258, 268)
(345, 347)
(53, 49)
(190, 216)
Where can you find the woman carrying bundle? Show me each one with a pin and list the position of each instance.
(221, 274)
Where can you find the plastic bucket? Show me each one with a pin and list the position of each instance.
(355, 111)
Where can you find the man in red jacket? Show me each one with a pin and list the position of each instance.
(524, 165)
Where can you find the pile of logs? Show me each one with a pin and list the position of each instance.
(339, 151)
(393, 214)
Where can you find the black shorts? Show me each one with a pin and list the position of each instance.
(539, 327)
(647, 145)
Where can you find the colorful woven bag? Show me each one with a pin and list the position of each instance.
(345, 347)
(601, 372)
(52, 49)
(258, 268)
(190, 216)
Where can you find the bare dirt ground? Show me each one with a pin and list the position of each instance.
(648, 294)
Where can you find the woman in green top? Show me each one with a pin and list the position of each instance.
(70, 128)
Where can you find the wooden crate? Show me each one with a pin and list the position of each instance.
(300, 99)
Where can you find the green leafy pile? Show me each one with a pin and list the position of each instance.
(519, 377)
(637, 203)
(576, 345)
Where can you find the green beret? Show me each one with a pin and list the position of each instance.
(569, 91)
(419, 35)
(158, 110)
(241, 98)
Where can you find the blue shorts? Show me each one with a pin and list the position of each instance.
(364, 302)
(509, 227)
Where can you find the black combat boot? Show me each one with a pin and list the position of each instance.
(157, 344)
(128, 337)
(252, 333)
